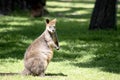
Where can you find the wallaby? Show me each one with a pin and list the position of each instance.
(40, 52)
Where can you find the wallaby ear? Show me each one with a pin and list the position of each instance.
(47, 21)
(54, 20)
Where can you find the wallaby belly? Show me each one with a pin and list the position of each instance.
(37, 57)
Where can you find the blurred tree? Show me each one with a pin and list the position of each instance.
(104, 15)
(7, 6)
(35, 6)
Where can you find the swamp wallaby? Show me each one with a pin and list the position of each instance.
(40, 52)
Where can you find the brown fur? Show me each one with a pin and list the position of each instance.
(40, 52)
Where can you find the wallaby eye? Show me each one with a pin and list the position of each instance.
(50, 26)
(54, 27)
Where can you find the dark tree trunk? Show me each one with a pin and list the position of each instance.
(5, 6)
(104, 15)
(36, 7)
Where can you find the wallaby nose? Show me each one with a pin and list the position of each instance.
(53, 30)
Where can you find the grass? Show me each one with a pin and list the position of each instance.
(84, 54)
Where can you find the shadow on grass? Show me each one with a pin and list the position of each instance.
(107, 57)
(46, 75)
(13, 43)
(71, 13)
(55, 74)
(9, 74)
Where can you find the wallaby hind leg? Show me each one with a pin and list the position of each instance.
(38, 67)
(42, 74)
(26, 72)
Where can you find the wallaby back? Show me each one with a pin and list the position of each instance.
(40, 52)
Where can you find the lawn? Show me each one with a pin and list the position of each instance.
(84, 54)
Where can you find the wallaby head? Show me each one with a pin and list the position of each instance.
(50, 25)
(51, 28)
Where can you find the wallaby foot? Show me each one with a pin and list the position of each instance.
(26, 72)
(42, 74)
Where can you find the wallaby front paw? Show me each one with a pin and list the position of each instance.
(57, 48)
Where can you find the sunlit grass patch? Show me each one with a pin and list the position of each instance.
(58, 9)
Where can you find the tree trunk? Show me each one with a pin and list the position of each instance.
(5, 6)
(104, 15)
(36, 7)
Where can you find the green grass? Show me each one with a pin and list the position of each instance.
(84, 54)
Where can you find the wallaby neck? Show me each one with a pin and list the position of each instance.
(48, 35)
(51, 37)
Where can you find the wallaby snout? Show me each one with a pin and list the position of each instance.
(53, 31)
